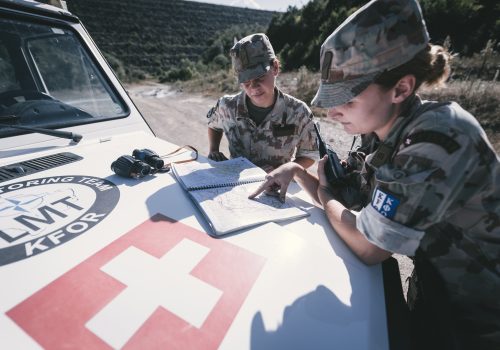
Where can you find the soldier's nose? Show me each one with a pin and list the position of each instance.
(333, 113)
(254, 84)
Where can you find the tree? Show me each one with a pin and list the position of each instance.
(297, 35)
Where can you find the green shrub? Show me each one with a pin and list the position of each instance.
(135, 74)
(222, 41)
(298, 34)
(221, 62)
(186, 71)
(175, 74)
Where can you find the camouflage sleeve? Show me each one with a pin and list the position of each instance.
(308, 146)
(428, 179)
(387, 234)
(214, 115)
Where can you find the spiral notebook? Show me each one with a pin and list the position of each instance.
(221, 189)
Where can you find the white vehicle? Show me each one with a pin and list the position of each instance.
(91, 260)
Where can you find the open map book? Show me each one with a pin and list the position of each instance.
(221, 189)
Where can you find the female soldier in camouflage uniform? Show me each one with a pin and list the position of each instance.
(261, 123)
(433, 181)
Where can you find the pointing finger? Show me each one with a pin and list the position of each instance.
(266, 184)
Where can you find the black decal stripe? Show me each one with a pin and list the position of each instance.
(435, 137)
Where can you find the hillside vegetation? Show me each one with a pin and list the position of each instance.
(470, 29)
(188, 43)
(142, 38)
(466, 25)
(174, 39)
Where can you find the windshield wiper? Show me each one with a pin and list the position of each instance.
(57, 133)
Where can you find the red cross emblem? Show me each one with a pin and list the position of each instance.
(161, 285)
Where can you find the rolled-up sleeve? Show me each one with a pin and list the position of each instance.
(427, 180)
(387, 234)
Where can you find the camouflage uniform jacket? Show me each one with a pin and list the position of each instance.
(287, 130)
(439, 191)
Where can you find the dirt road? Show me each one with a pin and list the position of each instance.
(180, 118)
(174, 116)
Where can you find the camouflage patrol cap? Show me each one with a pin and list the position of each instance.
(380, 36)
(251, 56)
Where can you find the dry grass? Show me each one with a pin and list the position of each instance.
(481, 98)
(210, 84)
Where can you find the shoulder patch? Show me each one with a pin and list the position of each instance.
(385, 203)
(435, 137)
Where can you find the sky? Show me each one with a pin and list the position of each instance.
(271, 5)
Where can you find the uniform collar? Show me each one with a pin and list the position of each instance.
(241, 105)
(385, 149)
(406, 116)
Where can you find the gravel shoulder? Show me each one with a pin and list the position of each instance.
(180, 118)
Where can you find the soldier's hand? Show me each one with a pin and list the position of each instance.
(277, 181)
(217, 156)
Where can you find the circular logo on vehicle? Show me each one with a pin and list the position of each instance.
(38, 215)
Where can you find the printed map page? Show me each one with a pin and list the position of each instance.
(207, 174)
(228, 208)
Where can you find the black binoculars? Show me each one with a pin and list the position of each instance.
(142, 162)
(149, 157)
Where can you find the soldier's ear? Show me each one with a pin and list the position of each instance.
(404, 88)
(275, 67)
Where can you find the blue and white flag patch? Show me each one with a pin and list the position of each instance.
(386, 204)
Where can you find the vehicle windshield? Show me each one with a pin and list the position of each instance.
(48, 79)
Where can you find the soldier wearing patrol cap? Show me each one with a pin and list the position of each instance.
(261, 122)
(432, 181)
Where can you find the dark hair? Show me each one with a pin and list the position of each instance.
(431, 66)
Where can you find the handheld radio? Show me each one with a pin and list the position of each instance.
(334, 171)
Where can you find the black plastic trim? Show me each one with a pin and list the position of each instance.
(28, 167)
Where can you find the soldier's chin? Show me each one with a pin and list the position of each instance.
(261, 100)
(257, 96)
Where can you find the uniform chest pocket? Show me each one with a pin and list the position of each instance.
(282, 130)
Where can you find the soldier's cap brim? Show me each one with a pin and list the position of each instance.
(253, 72)
(333, 94)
